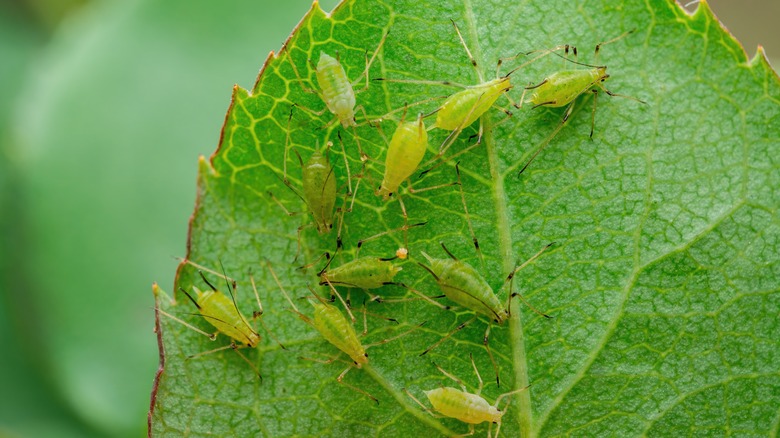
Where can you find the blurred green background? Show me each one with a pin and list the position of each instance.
(104, 109)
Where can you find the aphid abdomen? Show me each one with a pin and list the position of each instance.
(363, 273)
(466, 407)
(406, 150)
(562, 87)
(335, 328)
(464, 107)
(462, 284)
(319, 190)
(336, 89)
(220, 312)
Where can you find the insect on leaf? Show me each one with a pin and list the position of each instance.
(663, 283)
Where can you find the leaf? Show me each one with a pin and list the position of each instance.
(663, 282)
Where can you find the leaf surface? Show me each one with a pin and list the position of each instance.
(663, 281)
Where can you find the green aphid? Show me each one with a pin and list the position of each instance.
(564, 87)
(464, 285)
(470, 408)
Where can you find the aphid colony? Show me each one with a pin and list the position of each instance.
(319, 187)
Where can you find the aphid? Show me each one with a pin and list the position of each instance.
(404, 153)
(318, 190)
(336, 329)
(564, 87)
(462, 284)
(336, 90)
(464, 107)
(465, 406)
(223, 314)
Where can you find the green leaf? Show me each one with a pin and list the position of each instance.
(663, 282)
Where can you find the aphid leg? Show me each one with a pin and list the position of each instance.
(303, 317)
(242, 356)
(506, 406)
(449, 335)
(593, 113)
(510, 280)
(363, 156)
(235, 348)
(476, 371)
(340, 379)
(346, 163)
(468, 52)
(297, 75)
(259, 313)
(549, 138)
(424, 408)
(598, 84)
(368, 64)
(376, 236)
(343, 302)
(486, 342)
(468, 217)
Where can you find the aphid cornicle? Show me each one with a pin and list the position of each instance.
(464, 285)
(337, 330)
(470, 408)
(564, 87)
(223, 314)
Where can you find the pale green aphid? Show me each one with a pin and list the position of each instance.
(564, 87)
(222, 313)
(318, 189)
(464, 285)
(470, 408)
(463, 108)
(338, 331)
(404, 153)
(337, 91)
(363, 273)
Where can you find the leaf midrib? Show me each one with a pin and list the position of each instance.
(523, 415)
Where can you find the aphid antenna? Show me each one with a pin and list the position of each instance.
(476, 371)
(324, 278)
(549, 138)
(258, 315)
(472, 61)
(400, 335)
(346, 162)
(510, 280)
(369, 62)
(468, 217)
(203, 268)
(317, 260)
(449, 335)
(231, 291)
(617, 38)
(211, 336)
(543, 53)
(420, 295)
(506, 406)
(448, 251)
(435, 277)
(376, 236)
